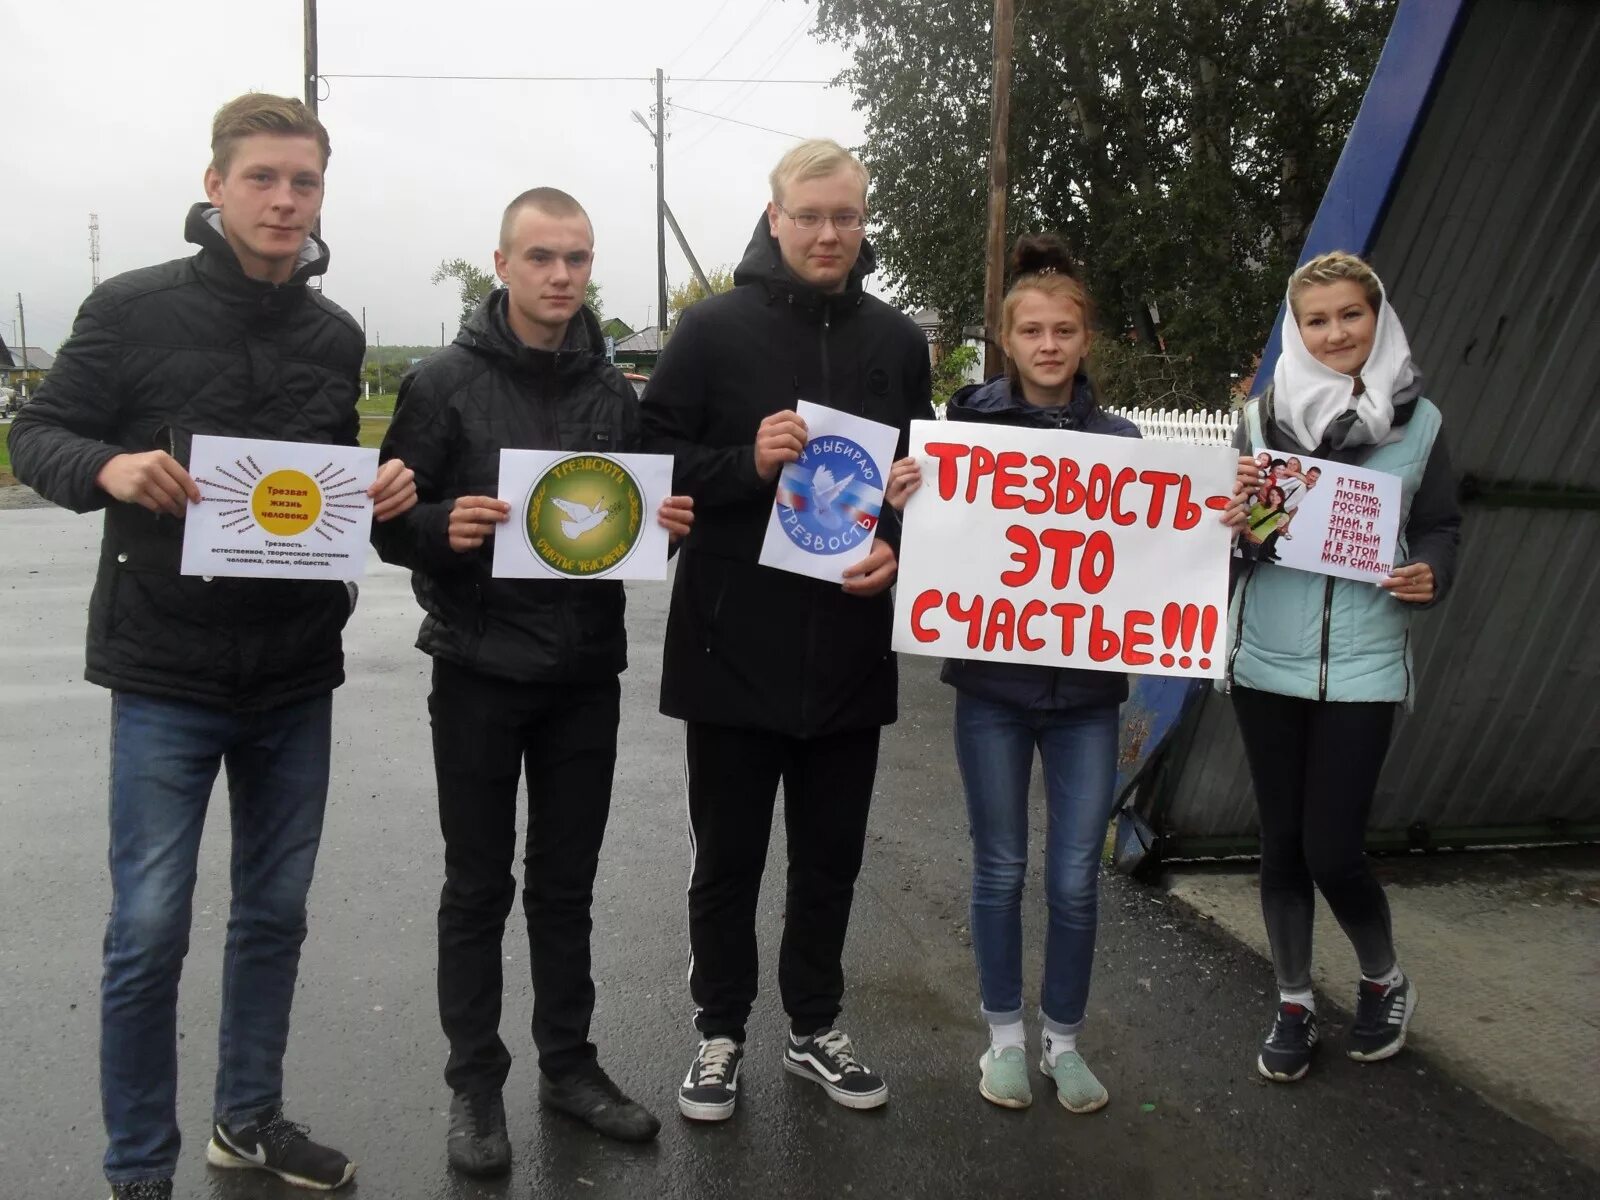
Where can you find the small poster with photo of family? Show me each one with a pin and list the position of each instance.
(1329, 518)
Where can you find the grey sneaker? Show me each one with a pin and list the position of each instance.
(1383, 1014)
(1076, 1087)
(827, 1058)
(477, 1143)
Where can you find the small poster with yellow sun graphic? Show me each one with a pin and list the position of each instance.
(278, 510)
(582, 515)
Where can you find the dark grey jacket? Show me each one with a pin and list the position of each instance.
(457, 410)
(156, 356)
(748, 645)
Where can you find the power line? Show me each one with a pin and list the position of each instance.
(684, 49)
(730, 120)
(768, 65)
(743, 33)
(567, 78)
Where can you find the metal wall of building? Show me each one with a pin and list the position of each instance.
(1490, 249)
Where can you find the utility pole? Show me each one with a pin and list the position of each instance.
(380, 362)
(441, 335)
(311, 55)
(94, 249)
(677, 231)
(994, 359)
(22, 318)
(661, 205)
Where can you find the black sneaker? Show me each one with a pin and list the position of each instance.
(589, 1095)
(827, 1058)
(477, 1143)
(272, 1143)
(143, 1189)
(711, 1088)
(1382, 1016)
(1286, 1056)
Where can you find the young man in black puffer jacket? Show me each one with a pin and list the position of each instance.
(524, 670)
(208, 672)
(778, 675)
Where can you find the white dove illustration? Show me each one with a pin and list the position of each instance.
(824, 489)
(583, 519)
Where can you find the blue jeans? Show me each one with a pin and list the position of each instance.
(164, 760)
(994, 748)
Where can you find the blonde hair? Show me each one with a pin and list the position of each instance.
(553, 202)
(1331, 268)
(260, 112)
(813, 159)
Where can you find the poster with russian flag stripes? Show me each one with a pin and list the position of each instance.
(825, 514)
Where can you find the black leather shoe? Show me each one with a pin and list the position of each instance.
(477, 1143)
(589, 1095)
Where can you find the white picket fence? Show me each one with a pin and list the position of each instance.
(1173, 425)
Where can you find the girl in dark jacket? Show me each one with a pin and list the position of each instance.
(1005, 712)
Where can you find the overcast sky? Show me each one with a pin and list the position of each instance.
(108, 109)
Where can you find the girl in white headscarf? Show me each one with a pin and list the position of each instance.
(1317, 665)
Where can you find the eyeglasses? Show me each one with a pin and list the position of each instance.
(845, 222)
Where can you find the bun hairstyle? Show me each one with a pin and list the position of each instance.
(1041, 254)
(1041, 262)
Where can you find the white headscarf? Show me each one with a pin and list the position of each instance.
(1308, 396)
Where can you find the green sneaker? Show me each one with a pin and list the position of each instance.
(1005, 1078)
(1076, 1087)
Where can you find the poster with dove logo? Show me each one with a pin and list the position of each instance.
(825, 513)
(582, 516)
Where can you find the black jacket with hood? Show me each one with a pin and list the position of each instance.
(456, 411)
(156, 356)
(1023, 685)
(748, 645)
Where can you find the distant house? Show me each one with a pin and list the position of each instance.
(616, 327)
(23, 364)
(638, 352)
(931, 323)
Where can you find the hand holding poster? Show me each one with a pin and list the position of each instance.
(278, 510)
(1324, 517)
(1065, 550)
(825, 514)
(582, 516)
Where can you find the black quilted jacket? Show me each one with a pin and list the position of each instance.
(155, 357)
(457, 410)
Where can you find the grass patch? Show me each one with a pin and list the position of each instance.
(5, 449)
(372, 433)
(379, 404)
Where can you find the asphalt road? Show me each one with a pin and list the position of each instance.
(1176, 1012)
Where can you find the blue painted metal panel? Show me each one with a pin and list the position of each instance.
(1413, 57)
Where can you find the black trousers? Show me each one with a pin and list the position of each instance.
(485, 730)
(733, 779)
(1315, 767)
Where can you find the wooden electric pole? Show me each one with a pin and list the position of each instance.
(994, 359)
(661, 207)
(22, 318)
(311, 54)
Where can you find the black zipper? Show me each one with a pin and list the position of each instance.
(1405, 661)
(1238, 629)
(1327, 621)
(827, 391)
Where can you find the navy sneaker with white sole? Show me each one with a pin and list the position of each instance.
(710, 1090)
(1383, 1014)
(826, 1058)
(1286, 1055)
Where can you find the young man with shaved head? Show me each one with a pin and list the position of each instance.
(524, 671)
(208, 673)
(779, 676)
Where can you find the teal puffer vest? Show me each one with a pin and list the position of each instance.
(1322, 638)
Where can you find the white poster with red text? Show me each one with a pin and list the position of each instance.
(1065, 550)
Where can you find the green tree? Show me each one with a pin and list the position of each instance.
(950, 372)
(690, 292)
(1180, 147)
(475, 284)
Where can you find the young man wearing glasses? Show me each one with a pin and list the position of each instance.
(778, 676)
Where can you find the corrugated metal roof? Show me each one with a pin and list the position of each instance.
(1490, 250)
(646, 341)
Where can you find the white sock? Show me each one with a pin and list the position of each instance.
(1304, 999)
(1056, 1044)
(1002, 1037)
(1394, 976)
